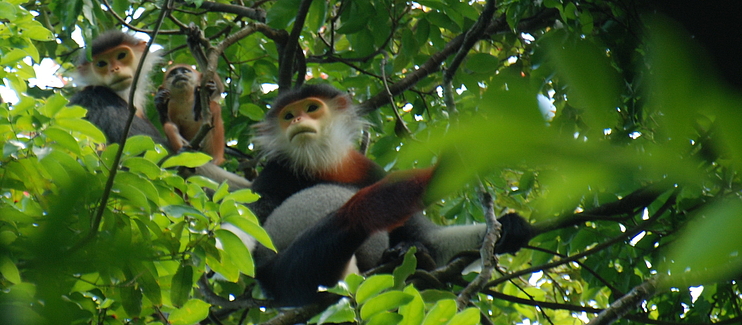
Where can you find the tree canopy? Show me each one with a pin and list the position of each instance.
(606, 123)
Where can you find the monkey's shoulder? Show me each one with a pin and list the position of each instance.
(97, 98)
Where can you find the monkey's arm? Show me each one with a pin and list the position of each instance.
(320, 254)
(444, 242)
(162, 102)
(214, 141)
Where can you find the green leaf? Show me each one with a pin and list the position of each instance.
(11, 214)
(360, 43)
(694, 259)
(409, 44)
(407, 268)
(235, 251)
(226, 268)
(442, 312)
(252, 111)
(482, 63)
(181, 285)
(594, 83)
(133, 194)
(251, 228)
(192, 312)
(242, 196)
(35, 31)
(143, 166)
(178, 211)
(341, 312)
(316, 16)
(131, 300)
(135, 145)
(54, 104)
(282, 13)
(384, 302)
(221, 192)
(468, 316)
(187, 159)
(414, 311)
(84, 127)
(63, 138)
(440, 20)
(143, 185)
(8, 270)
(373, 285)
(12, 56)
(384, 318)
(147, 279)
(355, 19)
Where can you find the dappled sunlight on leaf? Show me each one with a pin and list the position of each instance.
(709, 249)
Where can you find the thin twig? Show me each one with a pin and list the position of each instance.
(400, 124)
(487, 252)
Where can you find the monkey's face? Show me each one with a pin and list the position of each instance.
(302, 121)
(181, 77)
(115, 67)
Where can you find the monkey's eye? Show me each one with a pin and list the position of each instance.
(312, 108)
(288, 116)
(121, 56)
(101, 64)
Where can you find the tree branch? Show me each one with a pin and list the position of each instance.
(627, 303)
(288, 54)
(629, 233)
(433, 64)
(257, 14)
(487, 252)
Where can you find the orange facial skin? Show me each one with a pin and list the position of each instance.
(301, 120)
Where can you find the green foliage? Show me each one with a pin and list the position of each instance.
(377, 301)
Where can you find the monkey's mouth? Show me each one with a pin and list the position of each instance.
(301, 133)
(180, 82)
(120, 83)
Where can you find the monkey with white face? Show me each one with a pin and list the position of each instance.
(329, 209)
(107, 81)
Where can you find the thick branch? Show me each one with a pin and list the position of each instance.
(472, 36)
(288, 54)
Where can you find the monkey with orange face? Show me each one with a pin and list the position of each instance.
(178, 102)
(107, 81)
(330, 210)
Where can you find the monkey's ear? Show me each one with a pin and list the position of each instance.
(340, 102)
(141, 45)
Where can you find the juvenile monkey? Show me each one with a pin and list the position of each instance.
(178, 102)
